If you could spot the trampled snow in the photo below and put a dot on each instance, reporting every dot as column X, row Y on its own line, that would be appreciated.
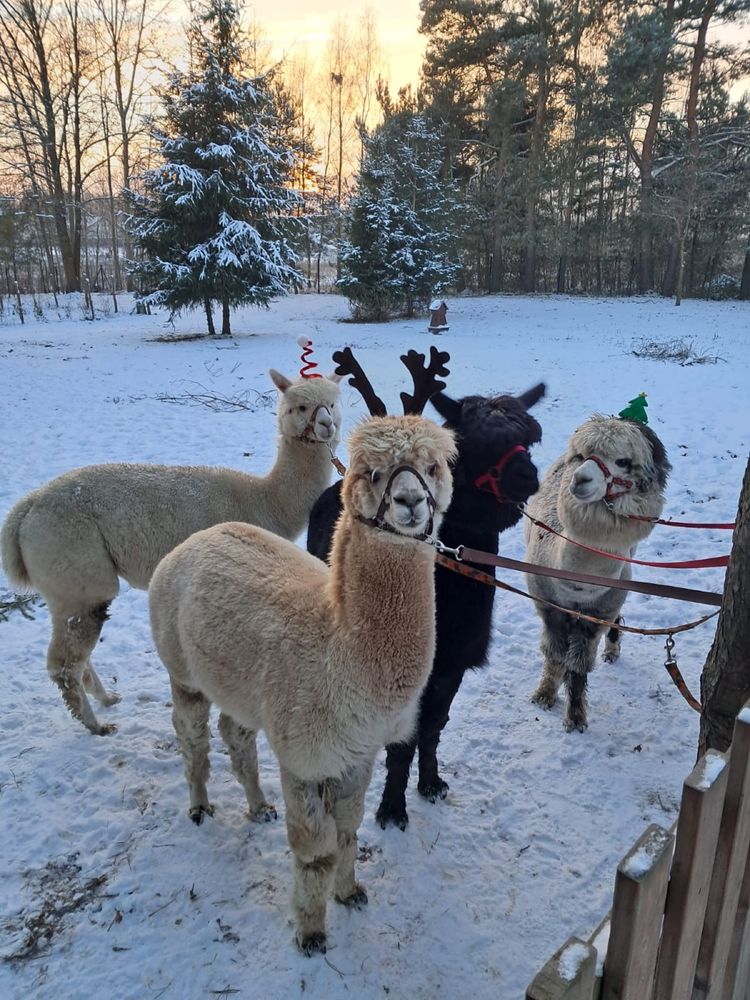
column 108, row 890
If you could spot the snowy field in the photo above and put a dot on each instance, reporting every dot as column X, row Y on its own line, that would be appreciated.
column 107, row 890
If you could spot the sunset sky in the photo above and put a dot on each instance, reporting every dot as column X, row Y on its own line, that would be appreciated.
column 289, row 24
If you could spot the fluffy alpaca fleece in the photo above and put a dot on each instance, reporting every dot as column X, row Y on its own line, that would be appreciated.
column 73, row 538
column 487, row 429
column 573, row 499
column 330, row 663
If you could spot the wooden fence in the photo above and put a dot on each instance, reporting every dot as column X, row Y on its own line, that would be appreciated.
column 678, row 928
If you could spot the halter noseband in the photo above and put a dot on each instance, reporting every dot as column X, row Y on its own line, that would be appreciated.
column 627, row 484
column 307, row 433
column 490, row 480
column 378, row 520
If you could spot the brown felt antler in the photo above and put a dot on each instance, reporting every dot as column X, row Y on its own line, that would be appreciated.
column 425, row 382
column 347, row 364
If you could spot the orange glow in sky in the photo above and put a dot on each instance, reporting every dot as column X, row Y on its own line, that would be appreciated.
column 289, row 25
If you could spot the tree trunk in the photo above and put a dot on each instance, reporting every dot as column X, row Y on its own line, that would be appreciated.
column 226, row 330
column 209, row 317
column 745, row 282
column 725, row 682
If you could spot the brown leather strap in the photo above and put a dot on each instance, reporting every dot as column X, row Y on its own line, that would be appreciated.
column 656, row 589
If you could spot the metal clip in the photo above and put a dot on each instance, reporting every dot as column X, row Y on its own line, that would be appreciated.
column 669, row 645
column 444, row 550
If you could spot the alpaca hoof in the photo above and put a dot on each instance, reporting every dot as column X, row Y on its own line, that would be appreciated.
column 105, row 729
column 389, row 816
column 433, row 790
column 311, row 944
column 111, row 698
column 264, row 814
column 356, row 899
column 573, row 725
column 610, row 655
column 196, row 813
column 546, row 699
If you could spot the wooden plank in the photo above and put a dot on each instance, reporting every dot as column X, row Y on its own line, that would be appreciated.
column 600, row 940
column 695, row 849
column 738, row 964
column 637, row 911
column 568, row 975
column 711, row 981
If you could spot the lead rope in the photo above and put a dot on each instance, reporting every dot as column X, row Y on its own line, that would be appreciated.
column 441, row 557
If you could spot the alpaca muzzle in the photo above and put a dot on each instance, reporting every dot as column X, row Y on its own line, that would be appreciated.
column 321, row 427
column 593, row 481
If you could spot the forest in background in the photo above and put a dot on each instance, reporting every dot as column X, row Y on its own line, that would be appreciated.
column 593, row 146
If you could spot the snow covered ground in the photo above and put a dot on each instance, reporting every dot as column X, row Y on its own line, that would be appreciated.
column 107, row 889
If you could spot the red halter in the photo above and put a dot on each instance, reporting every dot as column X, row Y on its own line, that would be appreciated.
column 490, row 480
column 611, row 480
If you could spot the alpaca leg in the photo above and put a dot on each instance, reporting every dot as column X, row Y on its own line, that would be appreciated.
column 392, row 808
column 554, row 647
column 94, row 686
column 73, row 638
column 244, row 756
column 311, row 831
column 612, row 641
column 584, row 638
column 348, row 810
column 190, row 717
column 433, row 718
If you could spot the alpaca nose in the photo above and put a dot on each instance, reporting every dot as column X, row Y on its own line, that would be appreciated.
column 325, row 423
column 581, row 478
column 410, row 500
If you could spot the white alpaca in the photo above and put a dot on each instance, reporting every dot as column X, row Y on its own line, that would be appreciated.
column 72, row 538
column 612, row 468
column 329, row 662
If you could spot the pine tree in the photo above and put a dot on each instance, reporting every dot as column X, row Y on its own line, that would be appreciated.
column 404, row 227
column 215, row 218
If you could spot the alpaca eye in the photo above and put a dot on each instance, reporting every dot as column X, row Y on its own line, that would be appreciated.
column 578, row 458
column 432, row 469
column 303, row 409
column 624, row 463
column 374, row 476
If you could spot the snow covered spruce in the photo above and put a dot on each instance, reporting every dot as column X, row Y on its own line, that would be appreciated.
column 613, row 467
column 329, row 662
column 72, row 538
column 492, row 474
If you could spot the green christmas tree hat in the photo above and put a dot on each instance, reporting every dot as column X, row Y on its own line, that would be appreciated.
column 636, row 409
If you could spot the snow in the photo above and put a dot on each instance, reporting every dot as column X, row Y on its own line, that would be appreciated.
column 637, row 864
column 482, row 888
column 571, row 960
column 713, row 763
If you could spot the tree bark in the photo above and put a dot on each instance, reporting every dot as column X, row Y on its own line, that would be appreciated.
column 226, row 330
column 725, row 682
column 209, row 317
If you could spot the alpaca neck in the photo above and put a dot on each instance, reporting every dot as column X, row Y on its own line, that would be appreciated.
column 383, row 594
column 300, row 474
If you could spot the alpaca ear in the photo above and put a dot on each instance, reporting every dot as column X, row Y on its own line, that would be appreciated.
column 281, row 382
column 334, row 377
column 448, row 408
column 532, row 396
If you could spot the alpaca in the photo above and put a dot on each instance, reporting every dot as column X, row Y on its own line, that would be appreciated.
column 584, row 496
column 329, row 662
column 491, row 476
column 72, row 538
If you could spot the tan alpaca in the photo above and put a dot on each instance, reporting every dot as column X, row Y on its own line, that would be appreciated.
column 74, row 537
column 329, row 662
column 612, row 467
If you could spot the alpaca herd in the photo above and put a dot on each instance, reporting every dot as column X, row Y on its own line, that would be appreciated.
column 360, row 643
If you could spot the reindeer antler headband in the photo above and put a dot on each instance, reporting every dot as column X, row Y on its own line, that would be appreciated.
column 426, row 383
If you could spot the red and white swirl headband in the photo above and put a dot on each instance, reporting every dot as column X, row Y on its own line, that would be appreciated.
column 306, row 371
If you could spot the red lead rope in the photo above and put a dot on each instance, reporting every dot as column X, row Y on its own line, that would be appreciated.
column 687, row 564
column 681, row 524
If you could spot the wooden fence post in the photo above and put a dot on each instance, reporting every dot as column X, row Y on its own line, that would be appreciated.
column 637, row 910
column 695, row 849
column 568, row 975
column 712, row 971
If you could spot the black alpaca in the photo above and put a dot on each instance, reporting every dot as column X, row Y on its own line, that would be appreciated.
column 492, row 475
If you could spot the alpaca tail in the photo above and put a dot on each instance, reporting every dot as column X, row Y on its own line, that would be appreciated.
column 10, row 546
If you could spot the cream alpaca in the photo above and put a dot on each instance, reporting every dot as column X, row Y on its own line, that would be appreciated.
column 329, row 662
column 74, row 537
column 579, row 500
